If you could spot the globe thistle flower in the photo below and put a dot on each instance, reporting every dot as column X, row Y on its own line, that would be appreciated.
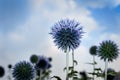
column 93, row 50
column 67, row 34
column 23, row 71
column 2, row 71
column 108, row 50
column 34, row 58
column 43, row 63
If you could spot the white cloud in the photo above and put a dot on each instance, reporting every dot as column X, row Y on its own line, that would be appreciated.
column 116, row 38
column 66, row 11
column 110, row 36
column 17, row 38
column 117, row 2
column 98, row 3
column 72, row 4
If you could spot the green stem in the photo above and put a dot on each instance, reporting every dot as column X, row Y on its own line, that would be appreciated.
column 67, row 65
column 73, row 58
column 106, row 65
column 93, row 67
column 40, row 76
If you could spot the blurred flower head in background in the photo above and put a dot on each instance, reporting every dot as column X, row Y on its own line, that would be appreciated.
column 93, row 50
column 2, row 71
column 23, row 71
column 43, row 63
column 34, row 58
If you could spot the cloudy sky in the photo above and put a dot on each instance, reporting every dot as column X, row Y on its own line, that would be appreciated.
column 25, row 26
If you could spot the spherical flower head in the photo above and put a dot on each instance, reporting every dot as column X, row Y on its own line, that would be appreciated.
column 34, row 58
column 43, row 63
column 23, row 71
column 50, row 59
column 93, row 50
column 2, row 71
column 9, row 66
column 67, row 34
column 108, row 50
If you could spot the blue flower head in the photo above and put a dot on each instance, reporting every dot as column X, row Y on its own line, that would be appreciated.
column 43, row 63
column 2, row 71
column 23, row 71
column 67, row 34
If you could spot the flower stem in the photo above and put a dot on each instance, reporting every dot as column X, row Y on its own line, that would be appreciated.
column 93, row 67
column 106, row 65
column 73, row 58
column 40, row 76
column 67, row 65
column 9, row 76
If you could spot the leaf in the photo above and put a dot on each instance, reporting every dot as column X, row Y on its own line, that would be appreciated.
column 95, row 62
column 98, row 69
column 70, row 68
column 72, row 73
column 75, row 78
column 93, row 73
column 97, row 74
column 75, row 71
column 64, row 69
column 75, row 62
column 57, row 77
column 112, row 73
column 90, row 63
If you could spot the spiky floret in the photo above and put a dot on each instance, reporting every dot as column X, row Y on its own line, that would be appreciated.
column 67, row 34
column 93, row 50
column 23, row 71
column 108, row 50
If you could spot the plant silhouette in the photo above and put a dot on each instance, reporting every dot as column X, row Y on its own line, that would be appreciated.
column 93, row 52
column 108, row 51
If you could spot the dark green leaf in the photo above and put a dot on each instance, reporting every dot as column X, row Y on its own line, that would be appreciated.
column 57, row 77
column 75, row 62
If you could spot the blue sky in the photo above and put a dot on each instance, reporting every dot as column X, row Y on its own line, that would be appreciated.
column 108, row 17
column 12, row 13
column 25, row 26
